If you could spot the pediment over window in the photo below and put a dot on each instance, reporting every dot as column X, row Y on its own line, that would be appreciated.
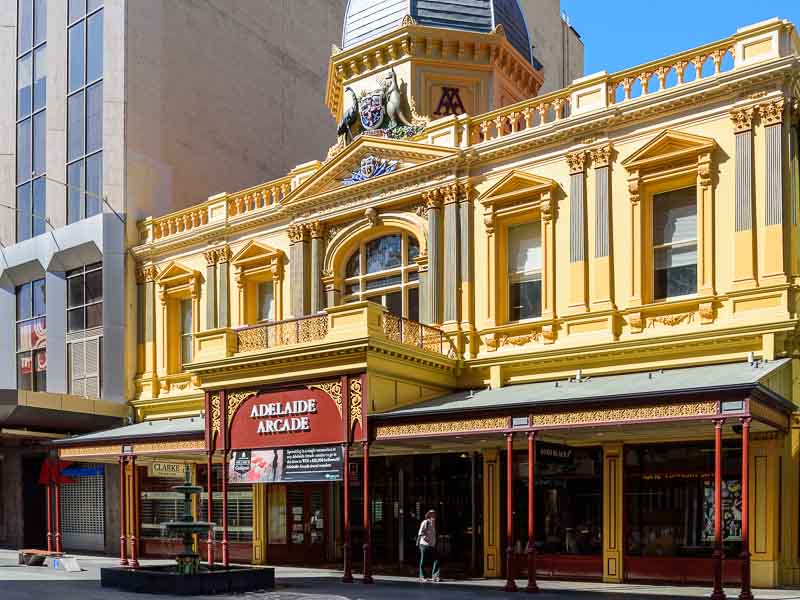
column 669, row 146
column 517, row 185
column 386, row 155
column 256, row 256
column 175, row 274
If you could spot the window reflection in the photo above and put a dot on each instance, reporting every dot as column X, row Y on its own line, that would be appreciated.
column 384, row 253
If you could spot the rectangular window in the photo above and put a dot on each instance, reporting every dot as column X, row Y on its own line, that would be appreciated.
column 31, row 336
column 186, row 331
column 31, row 117
column 266, row 301
column 674, row 244
column 85, row 297
column 525, row 271
column 84, row 109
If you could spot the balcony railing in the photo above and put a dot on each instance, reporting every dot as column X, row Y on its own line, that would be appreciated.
column 282, row 333
column 413, row 333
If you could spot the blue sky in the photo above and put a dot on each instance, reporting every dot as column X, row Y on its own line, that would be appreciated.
column 618, row 34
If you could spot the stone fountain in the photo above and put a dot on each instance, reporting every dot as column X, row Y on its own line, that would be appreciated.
column 186, row 527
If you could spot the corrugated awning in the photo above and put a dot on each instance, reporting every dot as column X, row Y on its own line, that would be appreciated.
column 728, row 377
column 184, row 427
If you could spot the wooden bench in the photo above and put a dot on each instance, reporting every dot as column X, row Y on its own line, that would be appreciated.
column 36, row 558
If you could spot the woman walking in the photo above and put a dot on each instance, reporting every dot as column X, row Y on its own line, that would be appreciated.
column 426, row 542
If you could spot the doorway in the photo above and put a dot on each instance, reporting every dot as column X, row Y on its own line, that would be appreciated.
column 34, row 504
column 300, row 511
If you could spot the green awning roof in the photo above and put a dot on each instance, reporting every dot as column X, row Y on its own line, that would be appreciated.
column 184, row 427
column 732, row 377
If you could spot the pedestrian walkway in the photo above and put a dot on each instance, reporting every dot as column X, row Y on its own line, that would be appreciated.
column 39, row 583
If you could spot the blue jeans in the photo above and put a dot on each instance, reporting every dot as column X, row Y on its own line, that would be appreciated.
column 428, row 554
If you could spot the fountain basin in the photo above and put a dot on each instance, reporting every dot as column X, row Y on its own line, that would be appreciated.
column 165, row 579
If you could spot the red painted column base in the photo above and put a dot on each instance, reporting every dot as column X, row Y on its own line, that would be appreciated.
column 532, row 587
column 348, row 563
column 511, row 585
column 367, row 565
column 717, row 593
column 746, row 593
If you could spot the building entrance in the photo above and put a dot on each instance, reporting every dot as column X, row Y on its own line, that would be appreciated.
column 298, row 523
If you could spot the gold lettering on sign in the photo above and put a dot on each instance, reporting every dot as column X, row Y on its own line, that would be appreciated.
column 449, row 103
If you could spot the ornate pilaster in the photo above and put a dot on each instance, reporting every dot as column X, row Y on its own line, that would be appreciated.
column 317, row 231
column 744, row 252
column 466, row 239
column 211, row 289
column 705, row 225
column 577, row 231
column 602, row 267
column 772, row 117
column 146, row 288
column 433, row 200
column 635, row 279
column 223, row 287
column 452, row 252
column 299, row 267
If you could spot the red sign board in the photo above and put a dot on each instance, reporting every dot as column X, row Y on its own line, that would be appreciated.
column 300, row 417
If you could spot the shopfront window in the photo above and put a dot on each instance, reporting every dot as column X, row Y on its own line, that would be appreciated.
column 669, row 500
column 569, row 500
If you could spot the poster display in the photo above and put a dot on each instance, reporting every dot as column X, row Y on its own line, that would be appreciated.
column 286, row 465
column 731, row 510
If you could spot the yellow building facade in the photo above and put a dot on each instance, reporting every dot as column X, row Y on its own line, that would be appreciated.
column 629, row 242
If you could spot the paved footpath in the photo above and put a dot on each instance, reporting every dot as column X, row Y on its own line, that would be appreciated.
column 40, row 583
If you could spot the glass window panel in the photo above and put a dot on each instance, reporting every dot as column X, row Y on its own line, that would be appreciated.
column 394, row 303
column 93, row 5
column 351, row 288
column 24, row 156
column 77, row 8
column 24, row 221
column 352, row 269
column 93, row 266
column 94, row 315
column 39, row 298
column 24, row 302
column 94, row 47
column 74, row 195
column 76, row 57
column 186, row 348
column 94, row 286
column 75, row 319
column 413, row 248
column 24, row 371
column 186, row 316
column 39, row 143
column 31, row 334
column 675, row 272
column 75, row 291
column 94, row 184
column 413, row 276
column 38, row 224
column 24, row 85
column 525, row 300
column 374, row 284
column 674, row 216
column 413, row 304
column 384, row 253
column 94, row 117
column 40, row 370
column 24, row 25
column 39, row 78
column 75, row 126
column 266, row 300
column 525, row 248
column 39, row 21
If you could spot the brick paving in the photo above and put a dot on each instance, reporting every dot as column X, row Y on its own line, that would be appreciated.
column 41, row 583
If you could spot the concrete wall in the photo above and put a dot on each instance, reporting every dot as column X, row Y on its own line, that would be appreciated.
column 555, row 44
column 8, row 92
column 223, row 95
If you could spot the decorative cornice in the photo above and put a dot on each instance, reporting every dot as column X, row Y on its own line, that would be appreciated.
column 577, row 162
column 771, row 113
column 743, row 119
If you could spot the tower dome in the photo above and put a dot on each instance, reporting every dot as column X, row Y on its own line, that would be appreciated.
column 367, row 19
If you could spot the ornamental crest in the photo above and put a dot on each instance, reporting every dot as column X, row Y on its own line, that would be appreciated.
column 371, row 108
column 371, row 166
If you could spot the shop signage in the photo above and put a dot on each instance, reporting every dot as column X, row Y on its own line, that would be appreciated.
column 286, row 465
column 554, row 453
column 168, row 470
column 83, row 471
column 287, row 419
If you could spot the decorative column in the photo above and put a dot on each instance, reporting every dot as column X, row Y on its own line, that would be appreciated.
column 532, row 587
column 367, row 521
column 602, row 292
column 225, row 552
column 134, row 511
column 745, row 593
column 774, row 235
column 577, row 232
column 612, row 513
column 705, row 225
column 491, row 513
column 211, row 289
column 718, row 593
column 123, row 517
column 492, row 278
column 58, row 506
column 434, row 203
column 452, row 251
column 635, row 236
column 317, row 231
column 346, row 548
column 467, row 250
column 547, row 212
column 210, row 507
column 511, row 585
column 223, row 287
column 744, row 251
column 48, row 490
column 299, row 267
column 146, row 281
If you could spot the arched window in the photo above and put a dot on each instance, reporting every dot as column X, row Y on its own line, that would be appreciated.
column 383, row 270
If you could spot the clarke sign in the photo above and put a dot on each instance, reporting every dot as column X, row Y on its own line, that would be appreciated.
column 284, row 416
column 306, row 416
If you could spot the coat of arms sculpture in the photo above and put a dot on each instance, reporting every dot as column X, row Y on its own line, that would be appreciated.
column 371, row 166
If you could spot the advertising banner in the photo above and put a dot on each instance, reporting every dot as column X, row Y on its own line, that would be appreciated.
column 286, row 465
